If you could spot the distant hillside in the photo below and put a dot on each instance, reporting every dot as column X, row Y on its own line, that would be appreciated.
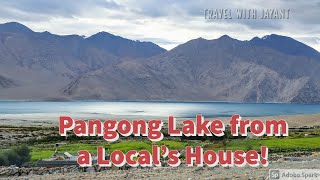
column 122, row 47
column 224, row 69
column 286, row 45
column 45, row 66
column 43, row 63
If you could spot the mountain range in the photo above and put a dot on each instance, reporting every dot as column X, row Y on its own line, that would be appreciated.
column 45, row 66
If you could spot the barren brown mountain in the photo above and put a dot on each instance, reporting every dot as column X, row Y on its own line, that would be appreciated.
column 43, row 66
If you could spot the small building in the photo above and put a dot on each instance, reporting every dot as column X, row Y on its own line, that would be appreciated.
column 60, row 160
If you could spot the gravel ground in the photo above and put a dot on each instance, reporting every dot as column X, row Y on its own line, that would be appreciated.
column 187, row 172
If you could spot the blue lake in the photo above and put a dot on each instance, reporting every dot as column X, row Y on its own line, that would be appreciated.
column 85, row 109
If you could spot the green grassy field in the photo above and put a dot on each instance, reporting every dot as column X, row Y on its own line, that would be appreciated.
column 44, row 151
column 274, row 143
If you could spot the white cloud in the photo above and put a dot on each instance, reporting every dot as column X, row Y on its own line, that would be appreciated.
column 167, row 22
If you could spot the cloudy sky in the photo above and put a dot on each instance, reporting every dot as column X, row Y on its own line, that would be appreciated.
column 164, row 22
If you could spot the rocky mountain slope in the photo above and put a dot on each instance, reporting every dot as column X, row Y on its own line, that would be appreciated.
column 224, row 69
column 107, row 67
column 41, row 63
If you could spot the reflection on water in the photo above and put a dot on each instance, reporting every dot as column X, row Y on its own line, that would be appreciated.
column 84, row 109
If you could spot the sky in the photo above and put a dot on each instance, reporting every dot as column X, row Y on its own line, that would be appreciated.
column 167, row 23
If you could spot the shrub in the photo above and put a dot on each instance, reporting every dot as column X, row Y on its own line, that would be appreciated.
column 24, row 153
column 16, row 156
column 3, row 160
column 13, row 158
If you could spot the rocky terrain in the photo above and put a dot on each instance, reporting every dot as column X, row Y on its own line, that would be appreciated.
column 45, row 66
column 305, row 161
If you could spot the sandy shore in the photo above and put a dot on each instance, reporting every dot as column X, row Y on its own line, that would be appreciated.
column 309, row 120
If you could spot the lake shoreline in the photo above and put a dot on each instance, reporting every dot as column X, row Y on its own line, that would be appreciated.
column 299, row 120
